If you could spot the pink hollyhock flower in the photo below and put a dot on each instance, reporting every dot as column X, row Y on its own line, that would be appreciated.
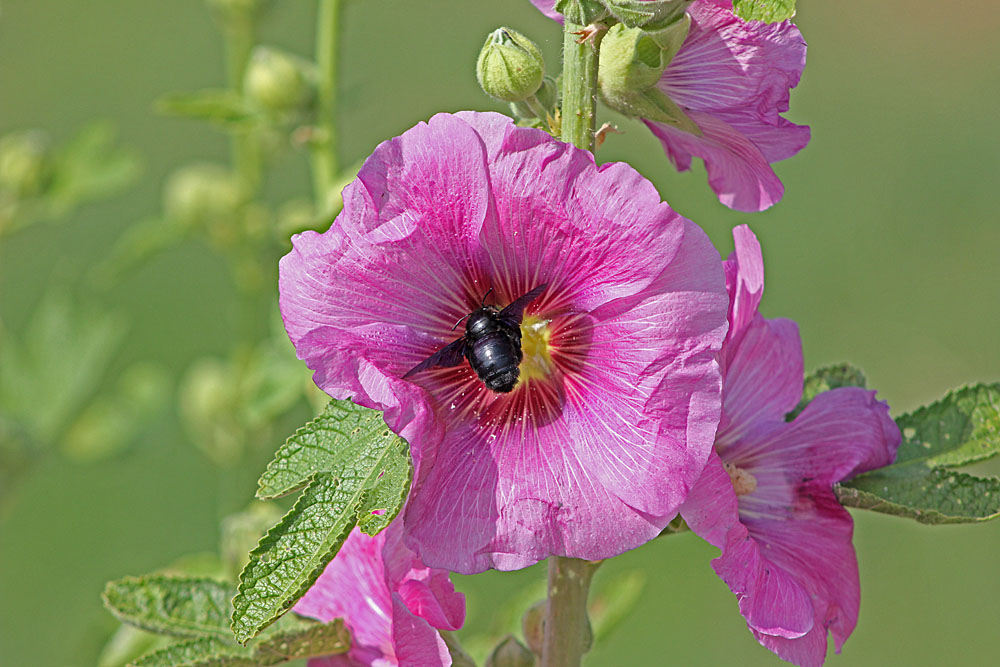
column 765, row 497
column 614, row 415
column 389, row 600
column 732, row 78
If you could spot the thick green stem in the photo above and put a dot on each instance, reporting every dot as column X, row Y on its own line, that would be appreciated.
column 239, row 38
column 567, row 628
column 579, row 86
column 324, row 145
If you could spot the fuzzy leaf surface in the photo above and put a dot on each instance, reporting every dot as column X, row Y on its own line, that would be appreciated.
column 171, row 605
column 337, row 437
column 961, row 428
column 366, row 490
column 294, row 638
column 929, row 495
column 770, row 11
column 203, row 652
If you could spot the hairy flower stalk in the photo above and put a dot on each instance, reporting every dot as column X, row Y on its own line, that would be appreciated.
column 616, row 406
column 765, row 497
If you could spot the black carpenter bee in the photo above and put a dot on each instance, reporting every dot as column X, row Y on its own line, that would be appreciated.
column 492, row 344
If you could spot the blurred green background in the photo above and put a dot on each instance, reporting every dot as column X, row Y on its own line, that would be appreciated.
column 885, row 249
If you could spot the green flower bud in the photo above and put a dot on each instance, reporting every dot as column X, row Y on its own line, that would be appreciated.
column 510, row 653
column 510, row 66
column 650, row 15
column 581, row 12
column 200, row 195
column 279, row 82
column 25, row 162
column 632, row 62
column 533, row 625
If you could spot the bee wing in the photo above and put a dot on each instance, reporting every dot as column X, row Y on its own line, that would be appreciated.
column 449, row 355
column 514, row 313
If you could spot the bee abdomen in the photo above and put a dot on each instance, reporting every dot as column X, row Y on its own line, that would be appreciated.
column 495, row 358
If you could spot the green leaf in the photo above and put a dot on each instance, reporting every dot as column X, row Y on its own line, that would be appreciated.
column 91, row 167
column 929, row 495
column 362, row 481
column 223, row 107
column 303, row 639
column 204, row 652
column 56, row 368
column 297, row 638
column 825, row 379
column 961, row 428
column 770, row 11
column 179, row 606
column 338, row 436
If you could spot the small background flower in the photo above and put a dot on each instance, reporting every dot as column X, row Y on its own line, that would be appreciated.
column 391, row 602
column 766, row 497
column 732, row 78
column 596, row 448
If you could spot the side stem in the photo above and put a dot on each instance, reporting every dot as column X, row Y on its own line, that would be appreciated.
column 579, row 86
column 324, row 146
column 239, row 38
column 567, row 628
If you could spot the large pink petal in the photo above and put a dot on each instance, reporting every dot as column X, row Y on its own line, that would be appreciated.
column 814, row 546
column 728, row 63
column 841, row 433
column 744, row 282
column 353, row 587
column 763, row 378
column 417, row 643
column 770, row 598
column 737, row 170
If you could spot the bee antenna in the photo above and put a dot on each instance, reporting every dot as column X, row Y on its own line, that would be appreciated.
column 460, row 321
column 488, row 292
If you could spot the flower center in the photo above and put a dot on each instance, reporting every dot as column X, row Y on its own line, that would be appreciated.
column 535, row 345
column 743, row 482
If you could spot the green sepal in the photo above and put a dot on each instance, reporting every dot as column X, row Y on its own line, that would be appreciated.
column 631, row 64
column 510, row 67
column 961, row 428
column 365, row 490
column 825, row 379
column 581, row 12
column 650, row 15
column 222, row 107
column 171, row 605
column 769, row 11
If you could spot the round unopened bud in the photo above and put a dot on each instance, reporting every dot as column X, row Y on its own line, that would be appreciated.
column 510, row 66
column 279, row 82
column 199, row 195
column 25, row 162
column 533, row 625
column 510, row 653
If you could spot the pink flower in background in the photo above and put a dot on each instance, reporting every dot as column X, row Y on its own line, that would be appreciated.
column 389, row 600
column 766, row 496
column 732, row 78
column 614, row 416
